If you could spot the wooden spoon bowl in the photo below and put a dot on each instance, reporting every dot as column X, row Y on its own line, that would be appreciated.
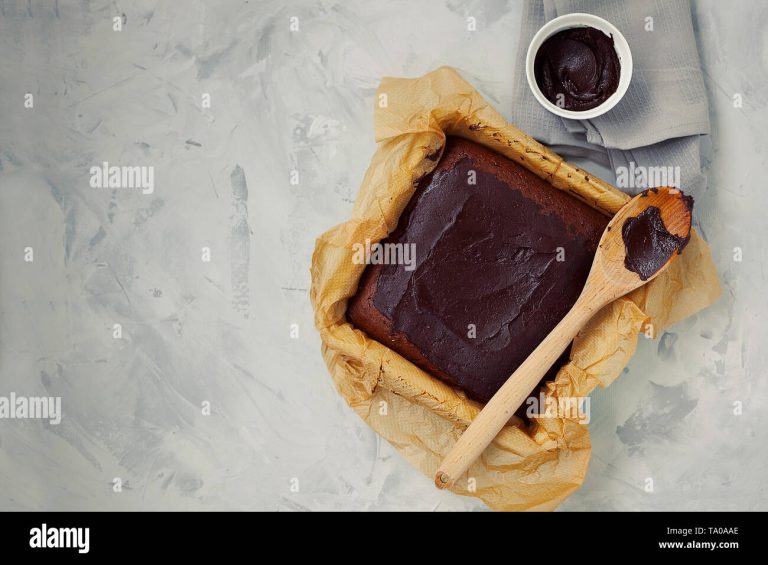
column 609, row 266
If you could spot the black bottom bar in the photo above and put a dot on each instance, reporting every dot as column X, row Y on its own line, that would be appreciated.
column 77, row 536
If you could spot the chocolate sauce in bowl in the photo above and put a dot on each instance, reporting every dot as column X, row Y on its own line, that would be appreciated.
column 577, row 69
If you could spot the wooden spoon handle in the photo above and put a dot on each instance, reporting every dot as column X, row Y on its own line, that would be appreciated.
column 492, row 418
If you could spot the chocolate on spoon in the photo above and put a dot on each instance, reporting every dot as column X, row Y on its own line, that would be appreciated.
column 648, row 243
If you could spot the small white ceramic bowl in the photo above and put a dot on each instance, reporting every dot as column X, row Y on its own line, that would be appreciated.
column 569, row 21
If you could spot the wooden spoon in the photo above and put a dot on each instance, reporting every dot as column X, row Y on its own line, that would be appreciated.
column 645, row 235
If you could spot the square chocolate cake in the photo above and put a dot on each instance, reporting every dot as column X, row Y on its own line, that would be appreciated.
column 500, row 258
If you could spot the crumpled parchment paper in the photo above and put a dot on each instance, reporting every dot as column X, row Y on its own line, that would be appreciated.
column 525, row 468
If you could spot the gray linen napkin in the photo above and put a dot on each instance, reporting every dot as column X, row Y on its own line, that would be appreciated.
column 659, row 121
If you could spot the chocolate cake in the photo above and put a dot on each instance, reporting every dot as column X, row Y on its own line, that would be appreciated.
column 500, row 257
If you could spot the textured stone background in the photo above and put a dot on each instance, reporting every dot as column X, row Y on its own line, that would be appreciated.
column 221, row 331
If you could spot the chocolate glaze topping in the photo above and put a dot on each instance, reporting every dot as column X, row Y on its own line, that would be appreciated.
column 647, row 242
column 486, row 256
column 580, row 64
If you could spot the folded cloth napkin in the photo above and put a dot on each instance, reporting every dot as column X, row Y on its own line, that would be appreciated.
column 661, row 118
